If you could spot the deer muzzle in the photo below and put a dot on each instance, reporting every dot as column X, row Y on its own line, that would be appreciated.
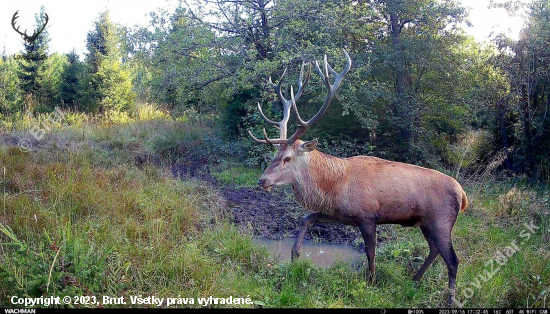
column 266, row 183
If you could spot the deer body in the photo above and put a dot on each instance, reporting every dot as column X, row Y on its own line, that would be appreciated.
column 361, row 191
column 362, row 187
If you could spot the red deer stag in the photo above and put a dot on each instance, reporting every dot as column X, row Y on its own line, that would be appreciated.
column 361, row 191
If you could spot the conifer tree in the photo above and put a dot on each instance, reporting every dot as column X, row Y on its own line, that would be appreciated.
column 71, row 78
column 108, row 85
column 33, row 59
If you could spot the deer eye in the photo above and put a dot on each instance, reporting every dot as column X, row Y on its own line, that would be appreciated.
column 287, row 159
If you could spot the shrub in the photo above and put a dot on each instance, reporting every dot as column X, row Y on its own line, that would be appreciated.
column 513, row 203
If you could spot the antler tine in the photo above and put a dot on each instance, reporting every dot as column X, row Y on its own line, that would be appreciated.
column 295, row 109
column 301, row 82
column 265, row 136
column 331, row 70
column 273, row 142
column 323, row 75
column 277, row 87
column 278, row 141
column 332, row 89
column 276, row 124
column 256, row 139
column 330, row 94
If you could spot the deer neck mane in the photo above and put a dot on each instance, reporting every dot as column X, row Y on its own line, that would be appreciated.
column 320, row 182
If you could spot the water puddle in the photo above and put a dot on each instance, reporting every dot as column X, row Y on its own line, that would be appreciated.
column 322, row 254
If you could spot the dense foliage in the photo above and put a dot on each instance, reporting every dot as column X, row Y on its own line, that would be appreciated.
column 420, row 90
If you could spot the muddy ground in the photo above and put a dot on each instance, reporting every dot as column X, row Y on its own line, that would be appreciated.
column 273, row 214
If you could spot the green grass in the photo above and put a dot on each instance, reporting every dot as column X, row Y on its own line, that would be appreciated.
column 236, row 175
column 94, row 211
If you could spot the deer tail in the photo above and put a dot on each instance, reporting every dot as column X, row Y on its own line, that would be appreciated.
column 464, row 202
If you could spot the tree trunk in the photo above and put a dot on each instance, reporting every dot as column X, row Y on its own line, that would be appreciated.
column 501, row 109
column 527, row 132
column 401, row 105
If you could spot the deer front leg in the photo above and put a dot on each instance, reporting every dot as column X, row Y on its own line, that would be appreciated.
column 308, row 220
column 368, row 231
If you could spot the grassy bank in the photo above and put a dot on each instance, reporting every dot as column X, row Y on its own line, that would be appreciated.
column 93, row 209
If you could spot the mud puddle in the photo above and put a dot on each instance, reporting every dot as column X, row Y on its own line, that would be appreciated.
column 322, row 254
column 273, row 215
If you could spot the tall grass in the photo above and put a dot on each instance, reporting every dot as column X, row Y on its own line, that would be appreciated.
column 94, row 210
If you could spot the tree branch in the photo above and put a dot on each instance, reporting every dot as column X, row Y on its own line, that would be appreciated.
column 403, row 24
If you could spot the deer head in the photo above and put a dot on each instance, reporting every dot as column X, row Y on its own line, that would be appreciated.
column 292, row 154
column 27, row 38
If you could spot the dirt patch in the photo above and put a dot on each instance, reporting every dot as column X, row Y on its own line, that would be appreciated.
column 274, row 214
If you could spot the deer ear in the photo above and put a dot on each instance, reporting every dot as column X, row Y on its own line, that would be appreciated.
column 308, row 146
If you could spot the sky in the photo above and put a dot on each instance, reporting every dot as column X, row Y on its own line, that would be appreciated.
column 486, row 18
column 71, row 20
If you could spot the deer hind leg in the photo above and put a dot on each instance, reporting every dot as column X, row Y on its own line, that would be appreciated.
column 431, row 256
column 368, row 231
column 444, row 243
column 308, row 220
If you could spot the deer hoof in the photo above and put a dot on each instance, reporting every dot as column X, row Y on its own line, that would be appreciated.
column 451, row 302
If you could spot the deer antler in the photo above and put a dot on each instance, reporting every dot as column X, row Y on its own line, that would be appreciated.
column 291, row 104
column 287, row 105
column 24, row 35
